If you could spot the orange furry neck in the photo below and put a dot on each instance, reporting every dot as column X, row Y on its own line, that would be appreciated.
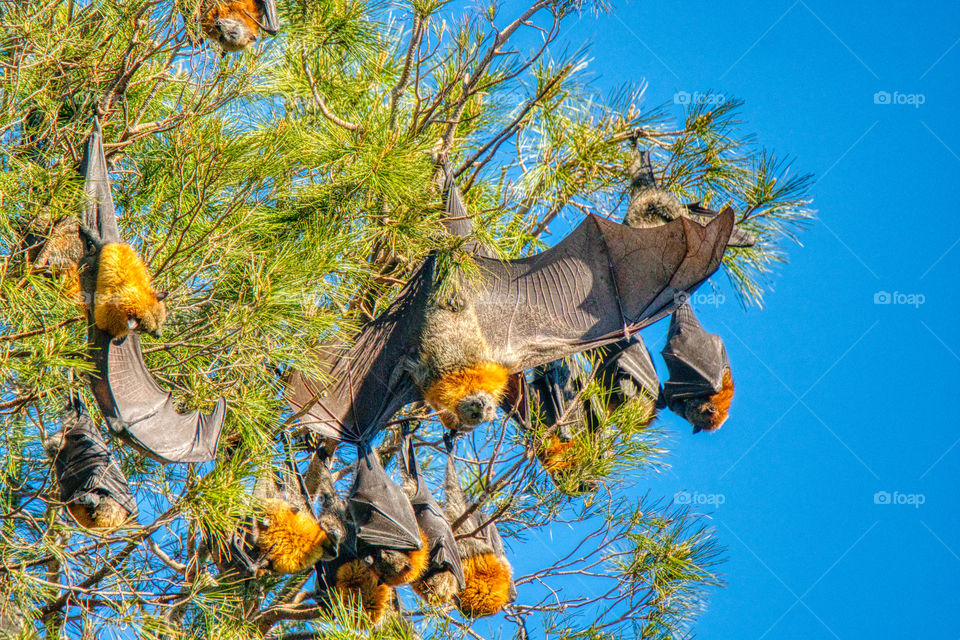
column 124, row 289
column 243, row 10
column 445, row 393
column 721, row 401
column 356, row 581
column 487, row 588
column 292, row 540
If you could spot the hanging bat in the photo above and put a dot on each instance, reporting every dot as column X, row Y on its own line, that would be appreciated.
column 91, row 483
column 53, row 246
column 488, row 583
column 455, row 342
column 700, row 386
column 134, row 406
column 650, row 206
column 443, row 577
column 347, row 576
column 236, row 24
column 386, row 529
column 289, row 535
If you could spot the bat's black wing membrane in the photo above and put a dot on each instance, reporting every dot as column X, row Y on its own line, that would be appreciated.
column 626, row 365
column 430, row 518
column 382, row 515
column 369, row 385
column 603, row 280
column 739, row 237
column 458, row 222
column 133, row 404
column 554, row 391
column 695, row 359
column 86, row 470
column 270, row 22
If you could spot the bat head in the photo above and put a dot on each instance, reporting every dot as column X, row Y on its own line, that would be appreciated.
column 153, row 316
column 710, row 414
column 437, row 587
column 473, row 393
column 477, row 408
column 231, row 25
column 396, row 568
column 336, row 533
column 652, row 207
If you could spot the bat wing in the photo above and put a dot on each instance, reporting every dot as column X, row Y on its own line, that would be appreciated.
column 270, row 21
column 87, row 472
column 554, row 390
column 458, row 222
column 695, row 359
column 143, row 414
column 99, row 213
column 629, row 360
column 739, row 237
column 443, row 544
column 368, row 384
column 382, row 515
column 602, row 280
column 133, row 404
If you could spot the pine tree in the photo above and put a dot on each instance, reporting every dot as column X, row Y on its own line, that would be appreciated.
column 282, row 196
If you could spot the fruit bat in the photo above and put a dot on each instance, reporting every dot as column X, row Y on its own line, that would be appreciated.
column 487, row 573
column 385, row 525
column 651, row 206
column 235, row 24
column 443, row 577
column 53, row 246
column 132, row 403
column 91, row 483
column 700, row 386
column 454, row 342
column 289, row 535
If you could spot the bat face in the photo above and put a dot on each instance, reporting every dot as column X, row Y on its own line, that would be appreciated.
column 235, row 24
column 477, row 408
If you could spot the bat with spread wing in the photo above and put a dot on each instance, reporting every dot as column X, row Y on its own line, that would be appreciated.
column 488, row 580
column 236, row 24
column 443, row 577
column 132, row 403
column 91, row 482
column 700, row 386
column 455, row 342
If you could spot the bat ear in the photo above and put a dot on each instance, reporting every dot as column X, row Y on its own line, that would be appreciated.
column 161, row 295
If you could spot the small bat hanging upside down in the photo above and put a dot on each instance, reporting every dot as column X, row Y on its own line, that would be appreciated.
column 700, row 387
column 90, row 479
column 236, row 24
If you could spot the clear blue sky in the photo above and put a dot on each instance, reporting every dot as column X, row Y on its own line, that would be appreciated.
column 838, row 398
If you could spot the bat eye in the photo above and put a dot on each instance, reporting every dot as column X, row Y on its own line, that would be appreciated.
column 161, row 295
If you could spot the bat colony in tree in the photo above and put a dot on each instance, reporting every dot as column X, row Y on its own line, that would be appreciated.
column 460, row 343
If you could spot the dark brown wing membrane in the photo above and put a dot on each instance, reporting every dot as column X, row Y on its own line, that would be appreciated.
column 368, row 386
column 458, row 222
column 695, row 359
column 383, row 516
column 602, row 280
column 87, row 472
column 132, row 403
column 626, row 367
column 270, row 22
column 554, row 391
column 443, row 546
column 143, row 414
